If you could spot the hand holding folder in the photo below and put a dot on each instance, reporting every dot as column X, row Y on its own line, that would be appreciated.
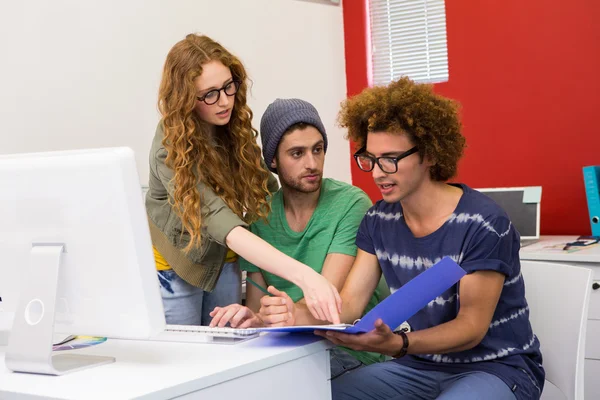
column 399, row 306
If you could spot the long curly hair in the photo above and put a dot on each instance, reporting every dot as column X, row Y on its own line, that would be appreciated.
column 430, row 120
column 228, row 162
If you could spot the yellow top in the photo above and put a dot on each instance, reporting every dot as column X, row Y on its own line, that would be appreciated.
column 231, row 256
column 163, row 265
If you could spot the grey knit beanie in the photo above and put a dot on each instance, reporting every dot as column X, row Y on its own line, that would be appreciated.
column 279, row 116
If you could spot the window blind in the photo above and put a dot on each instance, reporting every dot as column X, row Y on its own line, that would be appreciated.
column 408, row 38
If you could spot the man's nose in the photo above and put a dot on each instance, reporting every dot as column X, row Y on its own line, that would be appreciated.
column 311, row 161
column 377, row 172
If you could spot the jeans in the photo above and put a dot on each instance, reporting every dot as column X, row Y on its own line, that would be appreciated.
column 394, row 381
column 185, row 304
column 341, row 362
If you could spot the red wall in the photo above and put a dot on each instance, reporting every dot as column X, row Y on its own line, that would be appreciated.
column 527, row 74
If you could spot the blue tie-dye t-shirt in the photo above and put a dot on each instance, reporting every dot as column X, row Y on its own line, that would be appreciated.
column 478, row 236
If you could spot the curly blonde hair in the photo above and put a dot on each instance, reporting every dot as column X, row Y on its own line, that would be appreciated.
column 430, row 120
column 229, row 162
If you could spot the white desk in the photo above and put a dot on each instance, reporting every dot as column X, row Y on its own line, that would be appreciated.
column 262, row 368
column 587, row 258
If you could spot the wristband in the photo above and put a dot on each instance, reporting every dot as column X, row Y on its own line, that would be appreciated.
column 404, row 348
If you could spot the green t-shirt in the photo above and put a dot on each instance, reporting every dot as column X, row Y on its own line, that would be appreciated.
column 331, row 229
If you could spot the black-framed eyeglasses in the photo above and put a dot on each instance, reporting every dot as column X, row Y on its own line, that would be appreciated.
column 389, row 165
column 212, row 96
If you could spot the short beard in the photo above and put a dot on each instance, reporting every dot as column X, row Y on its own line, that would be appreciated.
column 298, row 186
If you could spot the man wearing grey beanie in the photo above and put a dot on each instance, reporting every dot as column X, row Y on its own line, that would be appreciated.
column 313, row 220
column 279, row 117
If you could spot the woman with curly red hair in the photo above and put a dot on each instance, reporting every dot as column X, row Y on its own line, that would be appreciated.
column 207, row 184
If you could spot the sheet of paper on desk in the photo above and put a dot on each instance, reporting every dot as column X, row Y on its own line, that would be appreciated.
column 556, row 247
column 399, row 306
column 78, row 342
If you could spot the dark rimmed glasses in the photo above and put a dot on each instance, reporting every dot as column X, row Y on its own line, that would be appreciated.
column 389, row 165
column 212, row 96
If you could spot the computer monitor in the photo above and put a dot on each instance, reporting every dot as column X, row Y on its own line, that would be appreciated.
column 522, row 204
column 76, row 255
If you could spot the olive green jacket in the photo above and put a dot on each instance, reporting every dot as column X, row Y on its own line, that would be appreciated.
column 202, row 266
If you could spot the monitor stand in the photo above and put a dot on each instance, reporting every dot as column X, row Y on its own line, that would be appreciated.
column 6, row 321
column 30, row 342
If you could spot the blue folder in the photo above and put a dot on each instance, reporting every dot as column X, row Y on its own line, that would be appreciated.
column 400, row 305
column 591, row 178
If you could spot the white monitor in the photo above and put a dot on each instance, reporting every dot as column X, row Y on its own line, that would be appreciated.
column 76, row 255
column 522, row 204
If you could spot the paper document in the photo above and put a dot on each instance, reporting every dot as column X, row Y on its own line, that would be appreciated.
column 400, row 305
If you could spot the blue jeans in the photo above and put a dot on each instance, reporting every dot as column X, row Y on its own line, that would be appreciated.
column 185, row 304
column 342, row 362
column 393, row 381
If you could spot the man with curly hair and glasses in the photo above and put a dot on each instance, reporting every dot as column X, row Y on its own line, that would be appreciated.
column 474, row 341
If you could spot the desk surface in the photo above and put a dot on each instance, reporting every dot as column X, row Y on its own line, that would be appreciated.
column 146, row 369
column 549, row 249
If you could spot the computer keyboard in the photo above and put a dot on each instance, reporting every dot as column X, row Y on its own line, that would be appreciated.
column 205, row 334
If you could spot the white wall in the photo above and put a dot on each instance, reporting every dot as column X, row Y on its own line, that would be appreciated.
column 84, row 73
